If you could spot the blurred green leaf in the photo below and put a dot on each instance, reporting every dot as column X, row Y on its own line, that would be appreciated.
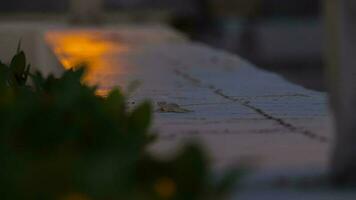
column 4, row 70
column 140, row 118
column 18, row 68
column 58, row 139
column 19, row 46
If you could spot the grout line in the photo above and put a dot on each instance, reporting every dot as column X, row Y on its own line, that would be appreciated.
column 292, row 128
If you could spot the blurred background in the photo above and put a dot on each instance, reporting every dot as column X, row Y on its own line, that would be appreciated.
column 277, row 35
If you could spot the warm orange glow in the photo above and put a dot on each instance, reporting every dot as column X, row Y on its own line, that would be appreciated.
column 91, row 48
column 75, row 196
column 165, row 188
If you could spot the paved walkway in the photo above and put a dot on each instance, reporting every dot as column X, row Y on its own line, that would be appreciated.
column 237, row 110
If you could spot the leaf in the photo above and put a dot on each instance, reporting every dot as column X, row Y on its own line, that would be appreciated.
column 115, row 101
column 38, row 81
column 19, row 46
column 18, row 63
column 3, row 66
column 194, row 156
column 4, row 70
column 73, row 75
column 19, row 70
column 27, row 73
column 140, row 118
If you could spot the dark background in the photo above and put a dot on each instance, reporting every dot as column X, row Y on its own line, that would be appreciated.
column 285, row 36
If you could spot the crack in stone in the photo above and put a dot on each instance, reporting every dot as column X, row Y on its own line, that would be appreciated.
column 292, row 128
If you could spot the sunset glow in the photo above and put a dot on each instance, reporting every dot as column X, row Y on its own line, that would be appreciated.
column 89, row 48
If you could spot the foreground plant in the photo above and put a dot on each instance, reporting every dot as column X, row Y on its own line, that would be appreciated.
column 58, row 140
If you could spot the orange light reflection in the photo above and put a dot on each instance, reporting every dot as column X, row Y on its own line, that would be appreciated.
column 74, row 48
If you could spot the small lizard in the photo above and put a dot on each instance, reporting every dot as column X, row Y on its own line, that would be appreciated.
column 165, row 107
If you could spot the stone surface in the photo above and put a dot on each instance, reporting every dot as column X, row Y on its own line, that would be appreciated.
column 238, row 111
